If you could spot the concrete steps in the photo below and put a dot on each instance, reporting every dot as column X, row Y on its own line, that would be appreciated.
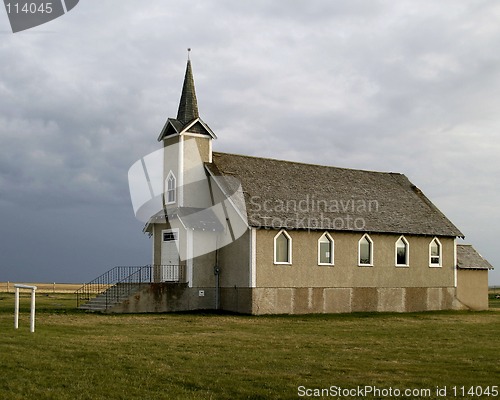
column 114, row 295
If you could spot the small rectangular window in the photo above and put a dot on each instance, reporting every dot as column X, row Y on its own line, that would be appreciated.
column 169, row 236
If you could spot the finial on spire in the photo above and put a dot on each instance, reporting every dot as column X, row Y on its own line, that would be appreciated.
column 189, row 51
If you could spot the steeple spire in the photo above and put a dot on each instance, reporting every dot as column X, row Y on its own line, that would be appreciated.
column 188, row 119
column 188, row 106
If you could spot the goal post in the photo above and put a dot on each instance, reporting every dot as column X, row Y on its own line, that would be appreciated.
column 16, row 306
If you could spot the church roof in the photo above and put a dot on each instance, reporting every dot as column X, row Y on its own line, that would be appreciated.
column 200, row 219
column 284, row 194
column 469, row 258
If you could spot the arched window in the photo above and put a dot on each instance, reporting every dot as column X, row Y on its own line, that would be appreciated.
column 325, row 249
column 365, row 251
column 435, row 253
column 171, row 188
column 282, row 248
column 402, row 252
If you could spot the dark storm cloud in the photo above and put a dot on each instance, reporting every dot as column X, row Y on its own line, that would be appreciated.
column 400, row 86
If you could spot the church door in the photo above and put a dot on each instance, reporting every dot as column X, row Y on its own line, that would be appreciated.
column 169, row 270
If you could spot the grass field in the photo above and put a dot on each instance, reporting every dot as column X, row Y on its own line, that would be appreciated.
column 75, row 355
column 494, row 298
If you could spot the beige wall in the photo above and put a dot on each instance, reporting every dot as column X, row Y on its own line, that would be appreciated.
column 204, row 148
column 472, row 288
column 305, row 271
column 234, row 261
column 203, row 265
column 203, row 275
column 157, row 240
column 195, row 185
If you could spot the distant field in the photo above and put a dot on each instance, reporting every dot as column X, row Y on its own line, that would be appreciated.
column 494, row 298
column 8, row 287
column 77, row 355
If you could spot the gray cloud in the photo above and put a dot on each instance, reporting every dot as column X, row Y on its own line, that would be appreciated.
column 409, row 86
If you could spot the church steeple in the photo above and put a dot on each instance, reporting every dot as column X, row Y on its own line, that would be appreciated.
column 188, row 120
column 188, row 106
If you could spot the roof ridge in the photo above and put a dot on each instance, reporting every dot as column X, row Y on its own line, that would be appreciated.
column 215, row 153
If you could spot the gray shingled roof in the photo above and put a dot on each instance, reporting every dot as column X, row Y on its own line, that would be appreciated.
column 200, row 219
column 469, row 258
column 303, row 196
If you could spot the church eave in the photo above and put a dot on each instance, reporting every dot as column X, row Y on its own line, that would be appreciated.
column 171, row 123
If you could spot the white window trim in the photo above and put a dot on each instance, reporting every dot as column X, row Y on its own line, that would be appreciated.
column 253, row 258
column 175, row 231
column 440, row 264
column 170, row 175
column 332, row 249
column 407, row 264
column 371, row 251
column 282, row 231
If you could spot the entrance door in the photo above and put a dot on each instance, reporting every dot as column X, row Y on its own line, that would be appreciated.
column 169, row 270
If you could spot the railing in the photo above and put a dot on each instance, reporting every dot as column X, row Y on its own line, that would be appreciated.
column 128, row 285
column 106, row 281
column 119, row 282
column 170, row 273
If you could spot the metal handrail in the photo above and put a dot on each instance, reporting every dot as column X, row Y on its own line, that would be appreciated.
column 120, row 281
column 125, row 286
column 103, row 282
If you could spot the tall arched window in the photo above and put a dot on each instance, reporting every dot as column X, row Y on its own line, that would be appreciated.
column 365, row 251
column 402, row 252
column 325, row 249
column 171, row 188
column 435, row 253
column 282, row 248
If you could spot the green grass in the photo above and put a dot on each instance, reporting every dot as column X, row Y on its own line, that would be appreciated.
column 494, row 302
column 75, row 355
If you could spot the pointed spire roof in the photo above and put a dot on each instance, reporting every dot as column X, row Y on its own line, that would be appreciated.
column 188, row 106
column 188, row 119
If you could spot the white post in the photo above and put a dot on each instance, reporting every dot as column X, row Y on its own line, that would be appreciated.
column 32, row 314
column 16, row 306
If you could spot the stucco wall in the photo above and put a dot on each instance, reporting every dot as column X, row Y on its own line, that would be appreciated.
column 305, row 271
column 157, row 239
column 203, row 144
column 234, row 262
column 472, row 288
column 195, row 188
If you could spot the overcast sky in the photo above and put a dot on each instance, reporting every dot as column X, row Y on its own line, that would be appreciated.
column 403, row 86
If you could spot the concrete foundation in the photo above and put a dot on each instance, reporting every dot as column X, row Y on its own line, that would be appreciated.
column 345, row 300
column 172, row 297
